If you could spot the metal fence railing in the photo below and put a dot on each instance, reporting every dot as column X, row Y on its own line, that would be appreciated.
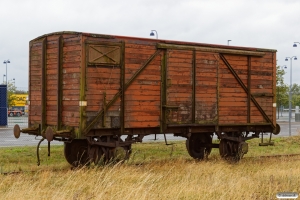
column 22, row 121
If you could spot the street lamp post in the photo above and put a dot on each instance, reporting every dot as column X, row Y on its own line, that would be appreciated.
column 228, row 42
column 152, row 33
column 14, row 81
column 3, row 78
column 295, row 44
column 6, row 62
column 290, row 93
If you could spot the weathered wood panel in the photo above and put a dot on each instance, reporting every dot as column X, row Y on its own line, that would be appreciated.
column 71, row 79
column 206, row 87
column 135, row 56
column 103, row 83
column 262, row 77
column 199, row 86
column 261, row 83
column 35, row 73
column 179, row 85
column 72, row 49
column 52, row 87
column 143, row 95
column 228, row 88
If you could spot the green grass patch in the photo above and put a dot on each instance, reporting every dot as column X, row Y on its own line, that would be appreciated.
column 14, row 159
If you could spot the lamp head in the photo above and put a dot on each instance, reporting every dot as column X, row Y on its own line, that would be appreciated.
column 151, row 34
column 295, row 45
column 286, row 59
column 295, row 58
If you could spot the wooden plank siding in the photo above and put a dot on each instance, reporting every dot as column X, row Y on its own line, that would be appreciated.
column 206, row 87
column 262, row 78
column 35, row 69
column 102, row 82
column 71, row 76
column 132, row 83
column 142, row 97
column 71, row 58
column 233, row 102
column 51, row 80
column 179, row 86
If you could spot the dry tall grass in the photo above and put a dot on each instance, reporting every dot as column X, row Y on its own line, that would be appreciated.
column 173, row 179
column 173, row 176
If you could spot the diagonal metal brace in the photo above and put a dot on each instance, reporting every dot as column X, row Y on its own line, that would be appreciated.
column 109, row 104
column 246, row 90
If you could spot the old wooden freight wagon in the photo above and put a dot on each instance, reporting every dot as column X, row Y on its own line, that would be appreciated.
column 88, row 90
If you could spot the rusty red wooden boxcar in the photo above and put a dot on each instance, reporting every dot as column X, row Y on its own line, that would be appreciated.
column 100, row 93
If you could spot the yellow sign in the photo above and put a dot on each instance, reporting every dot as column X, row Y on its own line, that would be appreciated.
column 20, row 99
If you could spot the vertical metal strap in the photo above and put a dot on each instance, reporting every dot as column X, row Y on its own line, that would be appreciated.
column 249, row 91
column 104, row 110
column 218, row 92
column 163, row 90
column 44, row 84
column 83, row 88
column 59, row 81
column 194, row 87
column 122, row 96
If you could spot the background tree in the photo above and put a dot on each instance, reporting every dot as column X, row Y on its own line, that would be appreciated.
column 295, row 95
column 282, row 89
column 11, row 98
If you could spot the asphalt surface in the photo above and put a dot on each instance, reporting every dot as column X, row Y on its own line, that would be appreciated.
column 7, row 138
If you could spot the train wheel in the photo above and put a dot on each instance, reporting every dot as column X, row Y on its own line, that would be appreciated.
column 96, row 154
column 231, row 150
column 118, row 154
column 197, row 145
column 224, row 149
column 105, row 154
column 76, row 152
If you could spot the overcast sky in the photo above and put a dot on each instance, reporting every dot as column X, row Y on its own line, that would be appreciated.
column 273, row 24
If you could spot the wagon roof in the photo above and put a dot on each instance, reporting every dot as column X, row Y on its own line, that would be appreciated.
column 158, row 40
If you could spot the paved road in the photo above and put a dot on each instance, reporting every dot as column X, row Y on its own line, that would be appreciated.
column 7, row 139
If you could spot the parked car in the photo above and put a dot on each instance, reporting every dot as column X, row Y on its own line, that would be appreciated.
column 21, row 108
column 14, row 113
